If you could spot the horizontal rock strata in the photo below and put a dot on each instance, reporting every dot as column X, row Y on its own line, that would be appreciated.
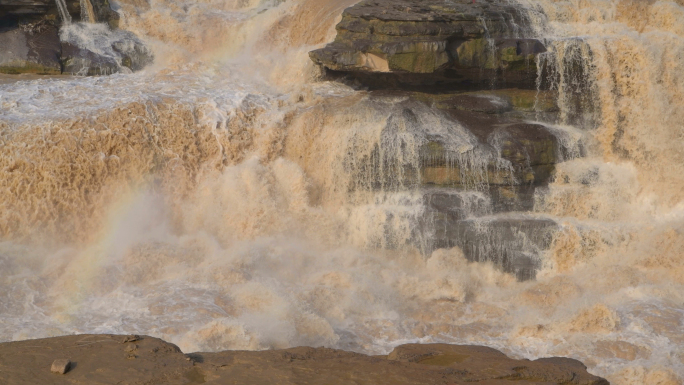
column 12, row 11
column 112, row 359
column 451, row 44
column 475, row 62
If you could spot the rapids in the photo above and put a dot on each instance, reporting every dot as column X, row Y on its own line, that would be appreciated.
column 221, row 198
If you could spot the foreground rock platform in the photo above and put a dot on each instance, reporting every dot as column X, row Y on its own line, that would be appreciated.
column 118, row 359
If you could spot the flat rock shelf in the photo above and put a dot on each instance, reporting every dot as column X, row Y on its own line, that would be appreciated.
column 119, row 359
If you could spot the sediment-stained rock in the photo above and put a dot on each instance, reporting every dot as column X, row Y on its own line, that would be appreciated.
column 35, row 10
column 107, row 359
column 120, row 51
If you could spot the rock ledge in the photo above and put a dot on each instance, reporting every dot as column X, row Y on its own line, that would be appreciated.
column 116, row 359
column 406, row 43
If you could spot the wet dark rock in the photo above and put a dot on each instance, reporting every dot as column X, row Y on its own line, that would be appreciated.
column 134, row 54
column 120, row 52
column 13, row 11
column 512, row 242
column 489, row 104
column 31, row 40
column 432, row 44
column 476, row 192
column 525, row 155
column 30, row 49
column 104, row 13
column 27, row 9
column 83, row 62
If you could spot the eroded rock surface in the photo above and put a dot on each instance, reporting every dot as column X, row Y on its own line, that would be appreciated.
column 476, row 63
column 107, row 359
column 479, row 175
column 30, row 49
column 460, row 43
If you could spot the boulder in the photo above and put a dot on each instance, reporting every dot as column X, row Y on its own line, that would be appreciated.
column 409, row 44
column 83, row 62
column 95, row 49
column 35, row 39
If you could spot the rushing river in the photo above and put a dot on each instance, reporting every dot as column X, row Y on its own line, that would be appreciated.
column 217, row 199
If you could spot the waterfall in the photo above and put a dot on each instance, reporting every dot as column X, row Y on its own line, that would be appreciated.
column 87, row 12
column 63, row 12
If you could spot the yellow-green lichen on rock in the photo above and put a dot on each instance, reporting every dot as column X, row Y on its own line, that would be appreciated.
column 417, row 62
column 27, row 67
column 526, row 100
column 476, row 53
column 447, row 40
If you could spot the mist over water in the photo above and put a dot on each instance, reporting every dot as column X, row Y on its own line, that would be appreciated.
column 227, row 198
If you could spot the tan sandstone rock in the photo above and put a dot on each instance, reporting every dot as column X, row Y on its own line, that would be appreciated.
column 60, row 366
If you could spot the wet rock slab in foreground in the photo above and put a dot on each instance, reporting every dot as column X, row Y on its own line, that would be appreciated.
column 113, row 359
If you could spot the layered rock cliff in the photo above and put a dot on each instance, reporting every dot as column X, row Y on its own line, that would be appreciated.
column 407, row 43
column 478, row 65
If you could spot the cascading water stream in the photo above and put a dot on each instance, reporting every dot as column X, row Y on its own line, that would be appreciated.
column 87, row 12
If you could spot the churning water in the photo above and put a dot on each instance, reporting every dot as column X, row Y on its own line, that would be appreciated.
column 226, row 199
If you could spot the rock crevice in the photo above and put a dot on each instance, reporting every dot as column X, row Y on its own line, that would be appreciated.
column 476, row 63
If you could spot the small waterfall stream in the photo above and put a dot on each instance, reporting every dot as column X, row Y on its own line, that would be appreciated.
column 63, row 12
column 87, row 12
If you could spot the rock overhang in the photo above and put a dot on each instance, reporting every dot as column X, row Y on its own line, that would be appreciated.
column 457, row 43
